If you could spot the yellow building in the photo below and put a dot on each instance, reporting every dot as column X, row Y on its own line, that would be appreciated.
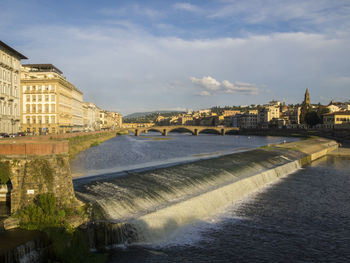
column 9, row 89
column 50, row 104
column 336, row 119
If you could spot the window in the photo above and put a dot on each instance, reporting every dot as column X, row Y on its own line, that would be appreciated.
column 39, row 108
column 47, row 108
column 28, row 120
column 53, row 119
column 28, row 98
column 28, row 108
column 52, row 97
column 47, row 119
column 53, row 107
column 34, row 98
column 34, row 119
column 39, row 97
column 39, row 119
column 46, row 97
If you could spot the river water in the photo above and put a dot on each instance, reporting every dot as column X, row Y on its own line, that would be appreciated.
column 303, row 217
column 125, row 153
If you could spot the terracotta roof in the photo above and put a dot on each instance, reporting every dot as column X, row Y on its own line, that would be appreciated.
column 12, row 50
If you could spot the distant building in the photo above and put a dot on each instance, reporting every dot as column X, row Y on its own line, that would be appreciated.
column 336, row 119
column 305, row 106
column 91, row 115
column 10, row 95
column 267, row 113
column 248, row 121
column 227, row 113
column 50, row 104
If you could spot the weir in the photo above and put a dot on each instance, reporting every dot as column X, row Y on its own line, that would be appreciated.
column 150, row 206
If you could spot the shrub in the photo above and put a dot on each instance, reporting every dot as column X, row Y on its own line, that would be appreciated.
column 5, row 172
column 94, row 144
column 42, row 214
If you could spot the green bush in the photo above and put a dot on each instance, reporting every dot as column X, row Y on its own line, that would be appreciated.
column 42, row 214
column 5, row 172
column 94, row 144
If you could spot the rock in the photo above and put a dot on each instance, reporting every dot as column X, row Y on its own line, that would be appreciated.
column 11, row 223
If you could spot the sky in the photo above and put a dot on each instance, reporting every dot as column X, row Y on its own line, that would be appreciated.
column 132, row 56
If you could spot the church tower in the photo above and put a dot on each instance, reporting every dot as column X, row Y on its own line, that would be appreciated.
column 305, row 106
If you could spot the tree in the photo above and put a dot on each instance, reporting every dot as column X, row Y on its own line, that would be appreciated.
column 312, row 118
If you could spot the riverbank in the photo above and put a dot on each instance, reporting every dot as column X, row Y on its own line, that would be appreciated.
column 82, row 142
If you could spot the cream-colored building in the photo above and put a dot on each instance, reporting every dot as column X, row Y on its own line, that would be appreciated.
column 268, row 113
column 50, row 104
column 110, row 120
column 91, row 116
column 10, row 67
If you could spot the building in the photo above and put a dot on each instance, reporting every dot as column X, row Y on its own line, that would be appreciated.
column 10, row 95
column 227, row 113
column 336, row 119
column 267, row 113
column 248, row 121
column 91, row 115
column 305, row 107
column 77, row 110
column 50, row 104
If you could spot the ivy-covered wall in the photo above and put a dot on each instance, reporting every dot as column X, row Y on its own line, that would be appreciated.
column 30, row 176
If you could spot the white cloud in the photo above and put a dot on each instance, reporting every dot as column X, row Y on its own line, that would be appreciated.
column 239, row 87
column 204, row 93
column 121, row 67
column 186, row 6
column 206, row 82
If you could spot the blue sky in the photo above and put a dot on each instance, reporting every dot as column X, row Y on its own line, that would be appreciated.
column 133, row 56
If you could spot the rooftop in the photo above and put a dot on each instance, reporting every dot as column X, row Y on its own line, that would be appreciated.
column 15, row 52
column 43, row 68
column 338, row 113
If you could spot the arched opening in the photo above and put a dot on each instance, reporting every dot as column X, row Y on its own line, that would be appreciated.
column 231, row 132
column 209, row 131
column 180, row 130
column 153, row 130
column 5, row 199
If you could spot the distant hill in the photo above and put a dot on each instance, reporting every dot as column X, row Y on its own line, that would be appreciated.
column 144, row 114
column 146, row 117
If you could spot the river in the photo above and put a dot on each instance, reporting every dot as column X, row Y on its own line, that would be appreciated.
column 300, row 218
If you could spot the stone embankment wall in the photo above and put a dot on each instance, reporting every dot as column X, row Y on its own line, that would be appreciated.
column 34, row 168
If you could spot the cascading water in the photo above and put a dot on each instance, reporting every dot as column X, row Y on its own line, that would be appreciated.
column 151, row 206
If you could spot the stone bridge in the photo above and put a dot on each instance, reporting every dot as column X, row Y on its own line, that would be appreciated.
column 195, row 130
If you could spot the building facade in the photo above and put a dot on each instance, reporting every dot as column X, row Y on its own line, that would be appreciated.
column 267, row 113
column 10, row 94
column 336, row 119
column 50, row 104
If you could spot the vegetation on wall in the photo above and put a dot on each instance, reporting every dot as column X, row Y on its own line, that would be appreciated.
column 68, row 244
column 41, row 171
column 5, row 172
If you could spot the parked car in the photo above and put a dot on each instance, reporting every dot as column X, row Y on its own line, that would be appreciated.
column 4, row 135
column 21, row 134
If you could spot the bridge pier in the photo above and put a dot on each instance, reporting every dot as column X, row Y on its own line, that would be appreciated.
column 222, row 132
column 196, row 132
column 165, row 132
column 137, row 132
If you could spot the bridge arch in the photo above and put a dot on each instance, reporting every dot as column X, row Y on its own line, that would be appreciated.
column 212, row 130
column 180, row 129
